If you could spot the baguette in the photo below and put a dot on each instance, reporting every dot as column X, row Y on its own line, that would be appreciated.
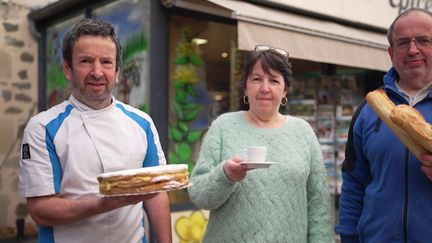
column 414, row 124
column 383, row 106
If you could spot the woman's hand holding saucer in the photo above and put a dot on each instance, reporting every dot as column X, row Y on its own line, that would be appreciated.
column 234, row 170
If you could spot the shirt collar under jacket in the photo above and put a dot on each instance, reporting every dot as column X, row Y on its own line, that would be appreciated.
column 390, row 84
column 412, row 100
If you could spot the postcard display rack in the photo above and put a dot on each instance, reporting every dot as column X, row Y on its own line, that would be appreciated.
column 327, row 103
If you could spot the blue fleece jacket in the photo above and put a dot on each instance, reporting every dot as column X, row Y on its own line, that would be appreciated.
column 385, row 196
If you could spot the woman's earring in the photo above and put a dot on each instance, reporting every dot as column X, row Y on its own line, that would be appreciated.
column 245, row 99
column 284, row 101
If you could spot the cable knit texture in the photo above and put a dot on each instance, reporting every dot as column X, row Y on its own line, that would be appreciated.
column 287, row 202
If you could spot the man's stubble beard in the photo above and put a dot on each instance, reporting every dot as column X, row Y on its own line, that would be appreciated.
column 90, row 99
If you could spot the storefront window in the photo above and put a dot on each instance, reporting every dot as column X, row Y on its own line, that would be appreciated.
column 201, row 54
column 326, row 96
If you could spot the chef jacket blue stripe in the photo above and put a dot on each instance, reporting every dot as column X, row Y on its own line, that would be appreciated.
column 151, row 158
column 51, row 130
column 45, row 234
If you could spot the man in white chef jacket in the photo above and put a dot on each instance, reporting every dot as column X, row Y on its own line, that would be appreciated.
column 65, row 148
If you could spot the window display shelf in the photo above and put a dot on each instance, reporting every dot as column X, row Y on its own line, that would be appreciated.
column 329, row 113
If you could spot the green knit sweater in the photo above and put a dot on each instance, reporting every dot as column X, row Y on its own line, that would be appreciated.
column 287, row 202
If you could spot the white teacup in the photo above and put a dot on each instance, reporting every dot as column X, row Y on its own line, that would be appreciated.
column 256, row 153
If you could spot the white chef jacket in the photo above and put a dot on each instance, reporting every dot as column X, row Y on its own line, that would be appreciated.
column 67, row 146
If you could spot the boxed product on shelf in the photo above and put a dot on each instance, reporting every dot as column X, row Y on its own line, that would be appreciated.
column 326, row 123
column 304, row 108
column 342, row 128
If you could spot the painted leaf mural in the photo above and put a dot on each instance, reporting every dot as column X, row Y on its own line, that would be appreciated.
column 186, row 109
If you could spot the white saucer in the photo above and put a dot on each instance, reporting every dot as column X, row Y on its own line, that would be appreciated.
column 258, row 165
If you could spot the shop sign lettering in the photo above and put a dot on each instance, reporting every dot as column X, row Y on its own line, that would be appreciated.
column 403, row 5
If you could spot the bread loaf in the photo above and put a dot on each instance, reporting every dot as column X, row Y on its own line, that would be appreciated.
column 383, row 106
column 144, row 180
column 414, row 124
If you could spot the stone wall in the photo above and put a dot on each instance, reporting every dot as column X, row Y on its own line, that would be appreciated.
column 18, row 101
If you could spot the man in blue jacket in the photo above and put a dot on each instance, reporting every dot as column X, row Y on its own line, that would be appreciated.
column 387, row 193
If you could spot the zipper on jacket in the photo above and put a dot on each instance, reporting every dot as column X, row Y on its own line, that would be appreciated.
column 405, row 209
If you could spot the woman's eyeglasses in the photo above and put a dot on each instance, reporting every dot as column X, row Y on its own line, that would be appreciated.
column 266, row 48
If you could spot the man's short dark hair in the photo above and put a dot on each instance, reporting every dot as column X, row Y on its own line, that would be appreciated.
column 93, row 27
column 405, row 13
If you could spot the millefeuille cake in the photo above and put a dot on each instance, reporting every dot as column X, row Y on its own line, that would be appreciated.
column 144, row 180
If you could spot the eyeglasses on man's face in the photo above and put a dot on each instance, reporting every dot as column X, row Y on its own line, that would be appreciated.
column 266, row 48
column 420, row 41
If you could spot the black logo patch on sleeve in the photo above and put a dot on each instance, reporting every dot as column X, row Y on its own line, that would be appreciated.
column 26, row 151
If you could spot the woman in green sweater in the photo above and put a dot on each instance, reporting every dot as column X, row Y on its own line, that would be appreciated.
column 287, row 202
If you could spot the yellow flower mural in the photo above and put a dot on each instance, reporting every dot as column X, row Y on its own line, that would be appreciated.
column 191, row 229
column 186, row 74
